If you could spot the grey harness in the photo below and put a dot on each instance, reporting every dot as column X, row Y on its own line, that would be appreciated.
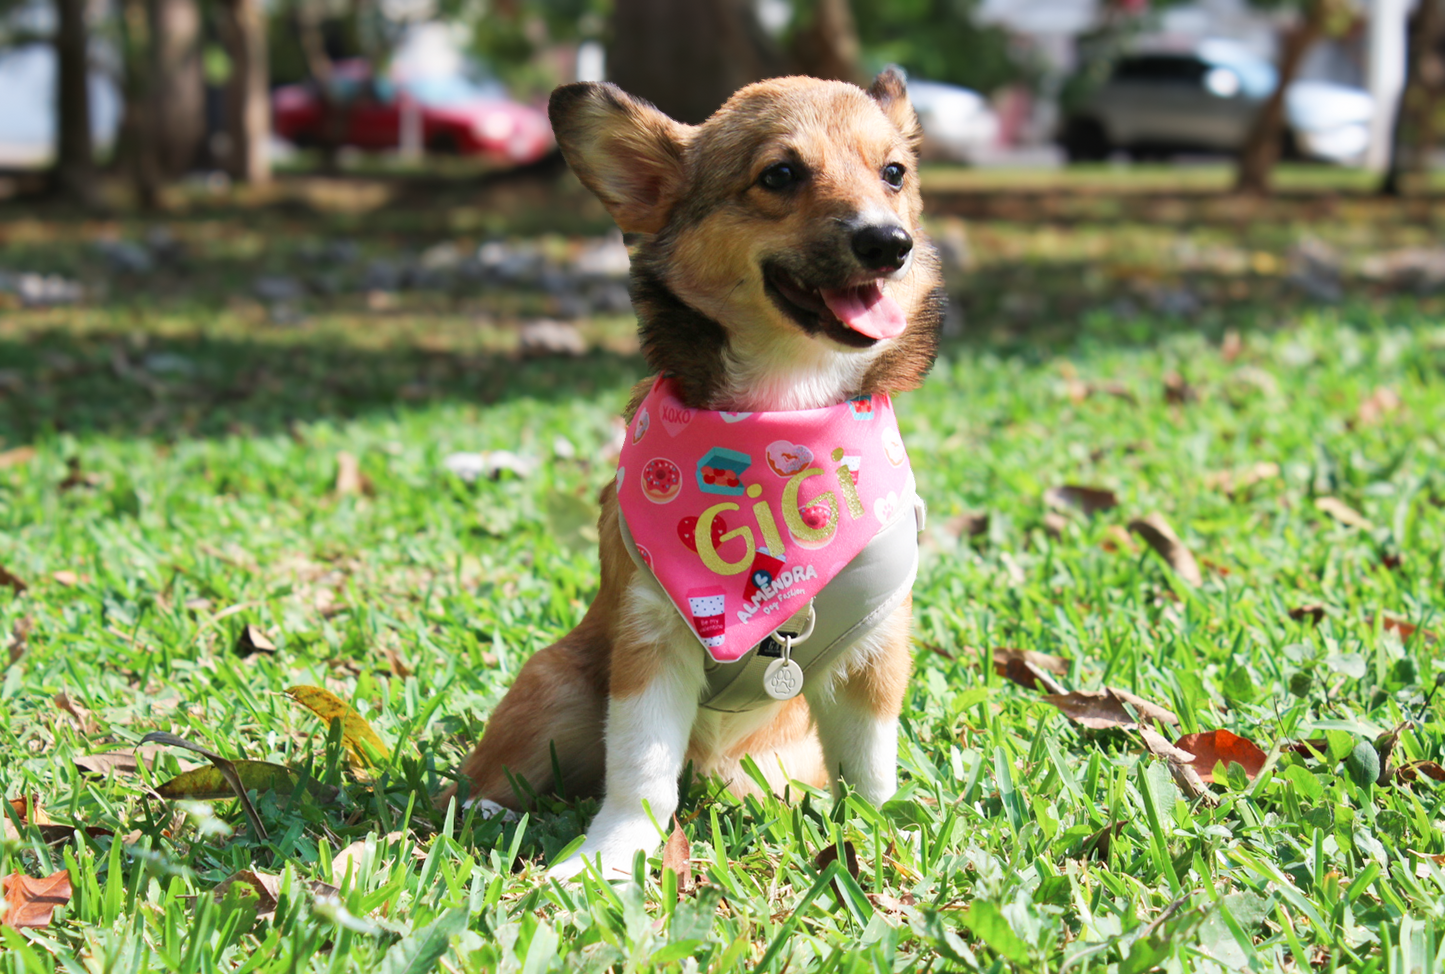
column 872, row 585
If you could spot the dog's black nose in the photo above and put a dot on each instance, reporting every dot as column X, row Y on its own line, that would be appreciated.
column 882, row 247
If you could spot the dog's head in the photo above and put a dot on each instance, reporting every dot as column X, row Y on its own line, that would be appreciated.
column 781, row 262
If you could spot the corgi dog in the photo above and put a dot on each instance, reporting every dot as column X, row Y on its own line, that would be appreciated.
column 779, row 267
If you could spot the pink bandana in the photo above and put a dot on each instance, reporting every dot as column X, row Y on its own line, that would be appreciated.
column 744, row 517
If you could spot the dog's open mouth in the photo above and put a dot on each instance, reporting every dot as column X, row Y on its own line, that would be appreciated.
column 859, row 316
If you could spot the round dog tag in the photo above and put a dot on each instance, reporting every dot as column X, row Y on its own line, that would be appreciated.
column 783, row 679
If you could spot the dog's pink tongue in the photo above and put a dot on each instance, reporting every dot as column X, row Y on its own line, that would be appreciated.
column 866, row 310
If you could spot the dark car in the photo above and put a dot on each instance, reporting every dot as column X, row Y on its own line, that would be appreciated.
column 453, row 113
column 1205, row 100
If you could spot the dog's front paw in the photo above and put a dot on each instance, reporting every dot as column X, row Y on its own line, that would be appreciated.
column 616, row 843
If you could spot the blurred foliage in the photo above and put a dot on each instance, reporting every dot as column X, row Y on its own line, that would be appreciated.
column 518, row 39
column 940, row 40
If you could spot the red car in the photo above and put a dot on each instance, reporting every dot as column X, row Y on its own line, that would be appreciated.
column 456, row 114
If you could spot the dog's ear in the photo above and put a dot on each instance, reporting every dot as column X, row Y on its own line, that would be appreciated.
column 623, row 149
column 890, row 91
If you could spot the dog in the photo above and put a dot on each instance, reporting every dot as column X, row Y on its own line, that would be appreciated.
column 779, row 268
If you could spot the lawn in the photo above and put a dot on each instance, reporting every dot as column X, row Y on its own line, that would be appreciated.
column 234, row 471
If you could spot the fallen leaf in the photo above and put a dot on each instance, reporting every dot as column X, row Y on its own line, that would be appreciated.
column 1117, row 539
column 1102, row 709
column 125, row 762
column 223, row 766
column 1402, row 628
column 889, row 904
column 1342, row 512
column 1161, row 537
column 1055, row 524
column 1315, row 748
column 677, row 856
column 349, row 478
column 266, row 886
column 1221, row 746
column 1233, row 482
column 209, row 782
column 830, row 852
column 1377, row 405
column 1314, row 613
column 969, row 524
column 1177, row 390
column 349, row 860
column 1097, row 845
column 252, row 641
column 1089, row 500
column 395, row 663
column 32, row 902
column 1030, row 669
column 68, row 578
column 12, row 581
column 1385, row 747
column 365, row 745
column 1413, row 770
column 19, row 639
column 1180, row 764
column 82, row 717
column 16, row 456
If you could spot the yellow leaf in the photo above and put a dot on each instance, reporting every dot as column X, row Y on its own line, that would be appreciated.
column 365, row 745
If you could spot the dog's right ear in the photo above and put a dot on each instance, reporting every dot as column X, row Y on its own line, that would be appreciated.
column 623, row 149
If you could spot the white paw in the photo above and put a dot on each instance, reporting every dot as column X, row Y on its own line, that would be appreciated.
column 489, row 809
column 616, row 842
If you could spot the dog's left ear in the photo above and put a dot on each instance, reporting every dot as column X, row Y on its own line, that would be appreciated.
column 890, row 91
column 623, row 149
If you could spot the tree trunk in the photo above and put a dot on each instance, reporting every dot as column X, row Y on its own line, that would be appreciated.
column 248, row 102
column 136, row 153
column 178, row 109
column 687, row 58
column 827, row 46
column 74, row 174
column 1413, row 134
column 1262, row 147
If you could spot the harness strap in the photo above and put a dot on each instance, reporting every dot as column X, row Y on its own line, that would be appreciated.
column 872, row 585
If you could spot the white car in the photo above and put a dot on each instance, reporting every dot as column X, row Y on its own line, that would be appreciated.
column 958, row 123
column 1158, row 103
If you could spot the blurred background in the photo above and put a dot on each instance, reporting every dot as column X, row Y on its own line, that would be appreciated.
column 338, row 173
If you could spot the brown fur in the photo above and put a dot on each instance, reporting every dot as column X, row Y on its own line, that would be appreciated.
column 708, row 226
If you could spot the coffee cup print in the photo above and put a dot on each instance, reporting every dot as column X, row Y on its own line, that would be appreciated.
column 708, row 605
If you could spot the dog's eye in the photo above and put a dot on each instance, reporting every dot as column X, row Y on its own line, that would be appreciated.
column 893, row 174
column 780, row 176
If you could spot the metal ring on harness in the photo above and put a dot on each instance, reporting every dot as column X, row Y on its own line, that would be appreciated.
column 787, row 640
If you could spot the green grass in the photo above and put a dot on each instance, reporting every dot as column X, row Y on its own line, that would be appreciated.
column 207, row 503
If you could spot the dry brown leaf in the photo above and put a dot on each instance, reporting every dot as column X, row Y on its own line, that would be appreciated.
column 1102, row 709
column 12, row 581
column 1161, row 537
column 1313, row 749
column 1233, row 482
column 1029, row 669
column 32, row 902
column 1385, row 747
column 1180, row 765
column 1377, row 405
column 395, row 663
column 1413, row 771
column 82, row 717
column 349, row 859
column 1097, row 845
column 1313, row 612
column 126, row 762
column 19, row 639
column 969, row 524
column 1342, row 512
column 677, row 856
column 1211, row 747
column 1402, row 628
column 891, row 905
column 1117, row 539
column 1054, row 524
column 252, row 641
column 830, row 852
column 266, row 886
column 1089, row 500
column 68, row 578
column 349, row 478
column 1178, row 391
column 16, row 456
